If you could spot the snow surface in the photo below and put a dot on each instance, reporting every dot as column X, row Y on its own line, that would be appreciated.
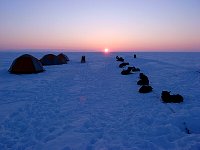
column 92, row 106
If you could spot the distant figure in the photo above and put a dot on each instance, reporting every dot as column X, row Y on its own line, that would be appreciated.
column 134, row 55
column 83, row 59
column 167, row 98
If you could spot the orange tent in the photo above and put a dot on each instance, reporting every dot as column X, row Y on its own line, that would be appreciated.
column 63, row 58
column 50, row 59
column 26, row 64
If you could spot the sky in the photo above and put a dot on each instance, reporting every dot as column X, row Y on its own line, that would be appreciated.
column 93, row 25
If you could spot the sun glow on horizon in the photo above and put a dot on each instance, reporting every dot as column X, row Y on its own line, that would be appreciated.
column 106, row 50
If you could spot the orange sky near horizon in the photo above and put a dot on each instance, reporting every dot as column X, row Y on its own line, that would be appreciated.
column 93, row 26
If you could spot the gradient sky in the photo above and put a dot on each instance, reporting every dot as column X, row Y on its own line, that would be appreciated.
column 120, row 25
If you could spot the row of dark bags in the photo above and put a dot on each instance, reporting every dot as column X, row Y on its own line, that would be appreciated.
column 27, row 64
column 144, row 82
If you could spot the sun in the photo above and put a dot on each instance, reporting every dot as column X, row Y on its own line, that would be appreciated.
column 106, row 50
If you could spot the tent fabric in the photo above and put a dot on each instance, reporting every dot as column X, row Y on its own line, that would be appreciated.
column 50, row 59
column 67, row 58
column 63, row 58
column 26, row 64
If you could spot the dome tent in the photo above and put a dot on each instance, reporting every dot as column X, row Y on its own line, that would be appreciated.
column 63, row 58
column 26, row 64
column 50, row 59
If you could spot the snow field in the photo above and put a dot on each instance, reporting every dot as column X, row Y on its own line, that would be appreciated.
column 92, row 106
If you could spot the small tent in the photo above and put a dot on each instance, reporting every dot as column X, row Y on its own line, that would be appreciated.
column 63, row 58
column 26, row 64
column 50, row 59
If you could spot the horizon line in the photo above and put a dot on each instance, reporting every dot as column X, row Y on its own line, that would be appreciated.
column 93, row 50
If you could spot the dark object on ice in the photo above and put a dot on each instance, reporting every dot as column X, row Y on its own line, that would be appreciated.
column 63, row 59
column 26, row 64
column 142, row 76
column 186, row 128
column 135, row 69
column 167, row 98
column 123, row 65
column 134, row 55
column 145, row 89
column 130, row 68
column 83, row 59
column 119, row 59
column 126, row 72
column 50, row 59
column 143, row 80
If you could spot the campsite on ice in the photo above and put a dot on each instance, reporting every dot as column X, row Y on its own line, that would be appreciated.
column 92, row 106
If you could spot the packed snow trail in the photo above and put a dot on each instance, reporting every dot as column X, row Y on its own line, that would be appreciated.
column 92, row 106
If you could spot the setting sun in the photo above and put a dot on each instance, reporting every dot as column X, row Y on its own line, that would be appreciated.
column 106, row 50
